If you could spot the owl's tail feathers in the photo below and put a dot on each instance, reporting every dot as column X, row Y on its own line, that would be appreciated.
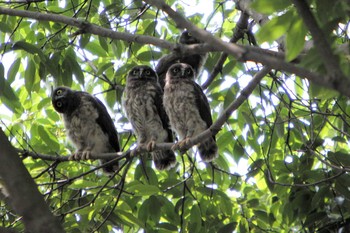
column 164, row 160
column 208, row 150
column 110, row 168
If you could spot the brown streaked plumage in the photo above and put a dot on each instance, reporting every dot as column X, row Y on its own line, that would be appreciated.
column 142, row 102
column 188, row 109
column 88, row 124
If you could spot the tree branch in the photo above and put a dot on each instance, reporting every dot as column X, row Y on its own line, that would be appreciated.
column 213, row 130
column 266, row 57
column 244, row 6
column 245, row 93
column 86, row 27
column 324, row 49
column 24, row 196
column 239, row 32
column 245, row 53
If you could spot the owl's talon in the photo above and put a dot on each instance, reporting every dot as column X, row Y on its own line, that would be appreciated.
column 151, row 145
column 183, row 144
column 80, row 155
column 85, row 155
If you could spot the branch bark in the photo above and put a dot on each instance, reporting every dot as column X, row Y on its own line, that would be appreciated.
column 266, row 57
column 239, row 32
column 244, row 53
column 213, row 130
column 24, row 195
column 330, row 61
column 245, row 93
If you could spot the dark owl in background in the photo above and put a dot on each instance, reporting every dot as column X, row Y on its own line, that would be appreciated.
column 188, row 109
column 88, row 124
column 143, row 104
column 196, row 61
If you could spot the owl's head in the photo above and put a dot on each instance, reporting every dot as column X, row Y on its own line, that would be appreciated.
column 142, row 72
column 180, row 71
column 187, row 38
column 64, row 99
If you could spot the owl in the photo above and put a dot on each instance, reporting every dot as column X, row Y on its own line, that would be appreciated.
column 143, row 104
column 188, row 109
column 88, row 124
column 195, row 60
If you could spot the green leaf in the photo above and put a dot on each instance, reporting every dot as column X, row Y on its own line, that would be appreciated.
column 279, row 127
column 104, row 67
column 67, row 73
column 84, row 39
column 228, row 227
column 295, row 40
column 8, row 96
column 48, row 138
column 4, row 27
column 103, row 43
column 144, row 189
column 29, row 76
column 129, row 217
column 144, row 56
column 79, row 183
column 243, row 226
column 2, row 78
column 30, row 48
column 270, row 6
column 275, row 28
column 195, row 220
column 13, row 70
column 238, row 152
column 96, row 49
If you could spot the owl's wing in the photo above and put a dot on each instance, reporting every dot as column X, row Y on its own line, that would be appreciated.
column 158, row 101
column 105, row 121
column 202, row 104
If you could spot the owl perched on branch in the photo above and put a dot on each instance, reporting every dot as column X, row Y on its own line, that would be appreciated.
column 188, row 109
column 195, row 60
column 143, row 104
column 88, row 124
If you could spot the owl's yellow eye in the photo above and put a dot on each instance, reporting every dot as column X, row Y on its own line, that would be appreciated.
column 189, row 34
column 188, row 71
column 135, row 72
column 59, row 92
column 147, row 72
column 176, row 70
column 59, row 104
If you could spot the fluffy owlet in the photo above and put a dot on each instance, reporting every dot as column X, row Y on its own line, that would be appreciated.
column 188, row 109
column 143, row 104
column 195, row 60
column 88, row 124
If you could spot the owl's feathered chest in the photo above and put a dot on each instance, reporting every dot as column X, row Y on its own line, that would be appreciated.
column 181, row 106
column 141, row 108
column 83, row 129
column 180, row 95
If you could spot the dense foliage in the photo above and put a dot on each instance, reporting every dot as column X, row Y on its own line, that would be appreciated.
column 284, row 153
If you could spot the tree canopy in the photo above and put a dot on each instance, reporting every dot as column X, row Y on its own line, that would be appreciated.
column 277, row 80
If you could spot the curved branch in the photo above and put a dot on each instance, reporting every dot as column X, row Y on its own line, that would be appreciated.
column 245, row 93
column 86, row 27
column 24, row 195
column 245, row 53
column 213, row 130
column 239, row 32
column 266, row 57
column 330, row 61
